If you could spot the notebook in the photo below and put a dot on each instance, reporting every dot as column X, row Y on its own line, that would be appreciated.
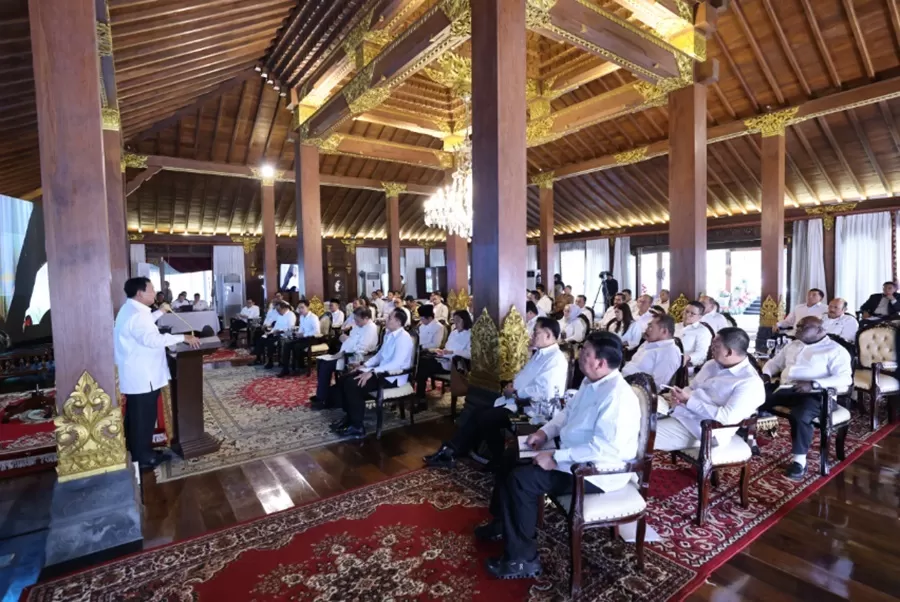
column 527, row 452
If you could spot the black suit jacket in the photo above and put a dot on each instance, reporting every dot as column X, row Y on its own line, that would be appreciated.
column 610, row 288
column 872, row 304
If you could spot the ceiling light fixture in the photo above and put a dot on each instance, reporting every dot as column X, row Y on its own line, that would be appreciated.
column 267, row 171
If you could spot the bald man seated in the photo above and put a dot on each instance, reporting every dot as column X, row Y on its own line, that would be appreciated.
column 838, row 322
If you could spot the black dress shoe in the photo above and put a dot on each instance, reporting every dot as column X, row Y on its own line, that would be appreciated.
column 338, row 425
column 442, row 458
column 151, row 464
column 318, row 405
column 514, row 569
column 795, row 472
column 492, row 531
column 353, row 432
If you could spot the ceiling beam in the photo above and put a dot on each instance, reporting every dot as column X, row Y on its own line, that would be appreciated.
column 133, row 184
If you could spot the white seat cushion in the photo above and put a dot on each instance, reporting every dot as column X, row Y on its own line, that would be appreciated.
column 323, row 347
column 862, row 379
column 623, row 502
column 732, row 451
column 395, row 392
column 840, row 415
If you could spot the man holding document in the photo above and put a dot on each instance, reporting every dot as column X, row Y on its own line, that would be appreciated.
column 601, row 424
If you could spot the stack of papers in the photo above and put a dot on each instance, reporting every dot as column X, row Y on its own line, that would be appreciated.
column 525, row 451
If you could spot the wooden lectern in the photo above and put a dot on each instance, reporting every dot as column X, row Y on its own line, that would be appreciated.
column 186, row 366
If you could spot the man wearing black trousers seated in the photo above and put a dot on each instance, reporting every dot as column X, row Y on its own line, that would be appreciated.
column 362, row 341
column 542, row 378
column 601, row 424
column 397, row 353
column 309, row 328
column 250, row 311
column 807, row 365
column 265, row 344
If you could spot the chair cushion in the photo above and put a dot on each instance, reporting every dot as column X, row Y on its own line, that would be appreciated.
column 321, row 348
column 732, row 451
column 395, row 392
column 840, row 415
column 862, row 379
column 598, row 507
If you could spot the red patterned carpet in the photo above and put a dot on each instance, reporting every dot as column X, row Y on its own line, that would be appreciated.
column 409, row 538
column 225, row 354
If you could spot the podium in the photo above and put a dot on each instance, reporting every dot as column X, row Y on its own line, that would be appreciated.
column 186, row 366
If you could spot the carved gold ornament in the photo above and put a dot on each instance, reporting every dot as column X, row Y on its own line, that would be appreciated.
column 316, row 306
column 135, row 161
column 628, row 157
column 513, row 345
column 444, row 159
column 540, row 131
column 327, row 145
column 104, row 39
column 167, row 413
column 462, row 301
column 357, row 34
column 676, row 308
column 89, row 434
column 392, row 189
column 460, row 14
column 828, row 212
column 110, row 119
column 452, row 71
column 369, row 100
column 769, row 313
column 544, row 180
column 350, row 244
column 249, row 242
column 771, row 124
column 485, row 353
column 135, row 236
column 537, row 13
column 267, row 180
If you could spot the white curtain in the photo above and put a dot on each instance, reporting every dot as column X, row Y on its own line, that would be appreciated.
column 138, row 253
column 623, row 270
column 415, row 258
column 14, row 216
column 572, row 263
column 862, row 256
column 228, row 276
column 596, row 260
column 531, row 260
column 548, row 278
column 807, row 259
column 438, row 258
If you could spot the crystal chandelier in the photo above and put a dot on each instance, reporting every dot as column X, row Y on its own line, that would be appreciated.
column 450, row 208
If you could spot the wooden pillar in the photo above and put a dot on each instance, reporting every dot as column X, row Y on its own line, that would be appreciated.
column 772, row 230
column 309, row 221
column 545, row 245
column 270, row 249
column 499, row 199
column 457, row 258
column 828, row 243
column 687, row 190
column 392, row 206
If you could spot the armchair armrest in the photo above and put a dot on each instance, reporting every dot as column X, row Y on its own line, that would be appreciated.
column 708, row 426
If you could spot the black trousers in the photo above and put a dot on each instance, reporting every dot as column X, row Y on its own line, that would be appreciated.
column 324, row 370
column 804, row 408
column 428, row 367
column 266, row 346
column 298, row 347
column 515, row 504
column 140, row 420
column 488, row 425
column 236, row 325
column 353, row 396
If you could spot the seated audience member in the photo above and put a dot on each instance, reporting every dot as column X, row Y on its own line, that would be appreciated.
column 266, row 342
column 727, row 389
column 696, row 336
column 632, row 304
column 659, row 355
column 610, row 314
column 839, row 323
column 581, row 302
column 534, row 296
column 378, row 301
column 883, row 305
column 158, row 301
column 398, row 304
column 663, row 300
column 542, row 378
column 200, row 304
column 814, row 306
column 431, row 332
column 250, row 311
column 388, row 307
column 337, row 315
column 412, row 305
column 181, row 301
column 711, row 314
column 531, row 317
column 362, row 341
column 601, row 424
column 558, row 285
column 563, row 299
column 643, row 315
column 574, row 326
column 396, row 353
column 308, row 328
column 544, row 303
column 809, row 363
column 352, row 307
column 441, row 311
column 278, row 298
column 625, row 327
column 657, row 310
column 459, row 343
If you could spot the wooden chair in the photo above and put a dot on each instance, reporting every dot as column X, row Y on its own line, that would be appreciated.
column 625, row 505
column 319, row 345
column 876, row 376
column 731, row 321
column 399, row 395
column 737, row 452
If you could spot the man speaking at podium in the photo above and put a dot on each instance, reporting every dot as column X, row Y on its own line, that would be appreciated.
column 140, row 351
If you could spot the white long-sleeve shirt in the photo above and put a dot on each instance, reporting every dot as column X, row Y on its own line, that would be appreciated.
column 661, row 360
column 643, row 320
column 801, row 311
column 179, row 303
column 396, row 353
column 716, row 320
column 272, row 316
column 431, row 335
column 337, row 319
column 140, row 349
column 386, row 308
column 825, row 363
column 285, row 322
column 441, row 312
column 602, row 425
column 250, row 313
column 460, row 343
column 308, row 325
column 631, row 338
column 201, row 305
column 544, row 376
column 545, row 303
column 362, row 339
column 844, row 327
column 608, row 316
column 696, row 339
column 727, row 395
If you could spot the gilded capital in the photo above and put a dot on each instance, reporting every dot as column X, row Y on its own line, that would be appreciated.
column 393, row 189
column 135, row 161
column 828, row 212
column 248, row 242
column 771, row 124
column 110, row 119
column 544, row 180
column 631, row 156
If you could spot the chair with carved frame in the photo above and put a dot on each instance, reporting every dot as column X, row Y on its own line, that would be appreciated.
column 876, row 376
column 319, row 345
column 629, row 504
column 399, row 395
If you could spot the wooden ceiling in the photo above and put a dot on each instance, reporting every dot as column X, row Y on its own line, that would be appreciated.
column 190, row 86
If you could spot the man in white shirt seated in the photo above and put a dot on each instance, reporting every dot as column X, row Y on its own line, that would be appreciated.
column 531, row 317
column 839, row 323
column 200, row 304
column 727, row 389
column 542, row 378
column 431, row 332
column 544, row 303
column 388, row 306
column 807, row 365
column 459, row 344
column 711, row 314
column 643, row 315
column 337, row 316
column 308, row 329
column 632, row 303
column 610, row 314
column 250, row 311
column 181, row 301
column 398, row 304
column 140, row 355
column 581, row 302
column 265, row 344
column 663, row 299
column 362, row 341
column 696, row 336
column 658, row 356
column 397, row 353
column 378, row 301
column 441, row 311
column 601, row 424
column 814, row 306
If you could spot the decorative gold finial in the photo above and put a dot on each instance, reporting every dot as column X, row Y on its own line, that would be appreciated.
column 513, row 344
column 676, row 309
column 316, row 306
column 110, row 119
column 485, row 353
column 451, row 300
column 462, row 301
column 828, row 212
column 249, row 242
column 768, row 313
